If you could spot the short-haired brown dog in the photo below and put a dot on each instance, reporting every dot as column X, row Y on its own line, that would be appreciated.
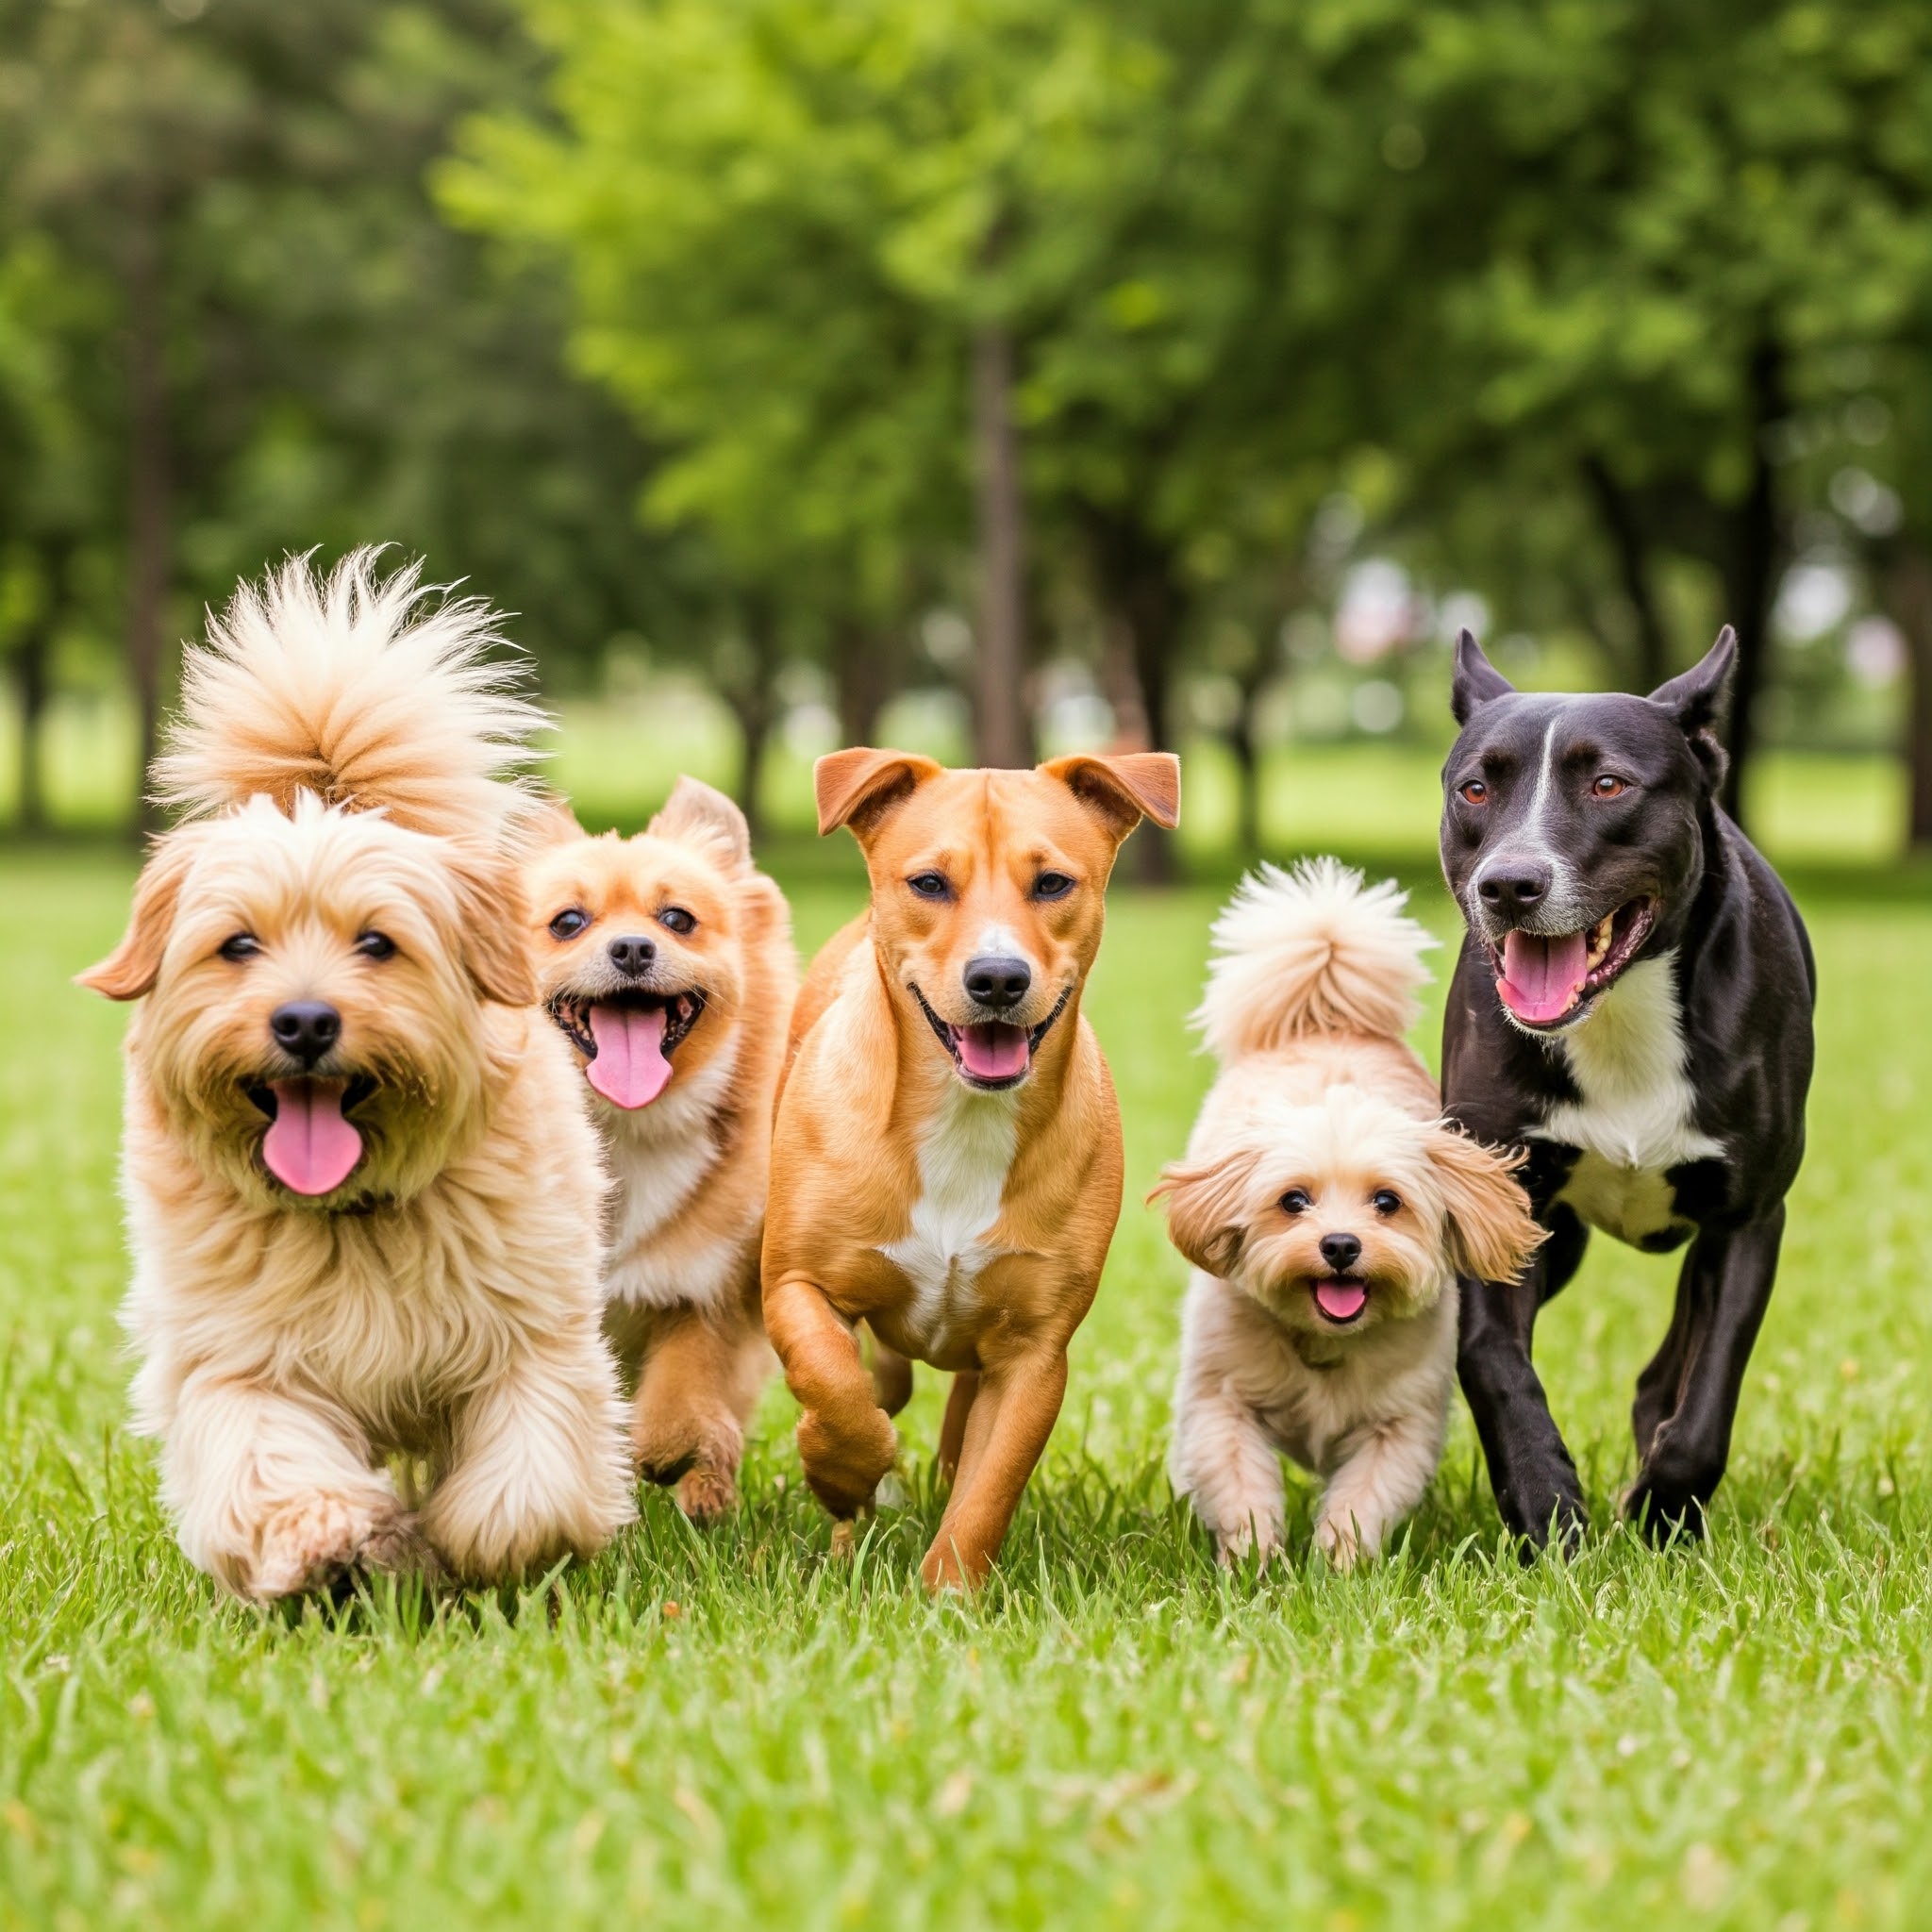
column 666, row 959
column 946, row 1162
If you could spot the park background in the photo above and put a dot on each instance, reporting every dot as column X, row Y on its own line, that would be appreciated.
column 996, row 379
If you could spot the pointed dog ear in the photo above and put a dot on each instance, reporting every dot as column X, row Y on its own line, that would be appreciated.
column 1124, row 788
column 1700, row 700
column 1491, row 1232
column 860, row 786
column 1206, row 1210
column 491, row 915
column 131, row 969
column 700, row 815
column 1475, row 680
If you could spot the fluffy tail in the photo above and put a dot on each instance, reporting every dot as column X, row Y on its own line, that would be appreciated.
column 1310, row 951
column 360, row 689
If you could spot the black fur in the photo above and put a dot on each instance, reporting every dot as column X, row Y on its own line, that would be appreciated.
column 1746, row 983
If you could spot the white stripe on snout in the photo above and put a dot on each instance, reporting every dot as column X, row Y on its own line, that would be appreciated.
column 1561, row 909
column 998, row 943
column 1539, row 798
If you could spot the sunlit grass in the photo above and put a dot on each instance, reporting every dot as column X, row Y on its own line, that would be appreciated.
column 708, row 1731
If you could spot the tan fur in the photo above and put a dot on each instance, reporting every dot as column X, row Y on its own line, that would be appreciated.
column 1314, row 983
column 436, row 1316
column 691, row 1168
column 965, row 1228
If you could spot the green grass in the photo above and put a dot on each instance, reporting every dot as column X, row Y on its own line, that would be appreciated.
column 705, row 1731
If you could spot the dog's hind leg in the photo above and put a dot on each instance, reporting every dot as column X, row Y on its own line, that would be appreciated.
column 696, row 1389
column 1722, row 1297
column 952, row 1429
column 892, row 1376
column 845, row 1440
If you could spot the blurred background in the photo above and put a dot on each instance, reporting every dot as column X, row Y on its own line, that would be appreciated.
column 991, row 377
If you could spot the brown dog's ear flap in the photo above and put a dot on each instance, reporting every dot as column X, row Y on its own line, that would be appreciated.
column 491, row 914
column 1124, row 788
column 1491, row 1232
column 1474, row 680
column 701, row 815
column 1206, row 1217
column 131, row 969
column 1700, row 700
column 858, row 787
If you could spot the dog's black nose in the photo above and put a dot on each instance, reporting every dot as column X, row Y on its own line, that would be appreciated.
column 1341, row 1251
column 632, row 954
column 1514, row 885
column 305, row 1029
column 999, row 983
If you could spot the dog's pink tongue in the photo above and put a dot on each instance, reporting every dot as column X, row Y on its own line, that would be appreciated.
column 630, row 1069
column 309, row 1145
column 993, row 1051
column 1542, row 975
column 1343, row 1300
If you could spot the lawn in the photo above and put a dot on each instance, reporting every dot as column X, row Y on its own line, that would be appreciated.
column 712, row 1730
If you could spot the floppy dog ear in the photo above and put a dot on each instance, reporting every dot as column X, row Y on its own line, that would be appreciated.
column 1491, row 1232
column 491, row 913
column 131, row 969
column 699, row 814
column 1124, row 788
column 1206, row 1210
column 1475, row 680
column 1700, row 701
column 858, row 787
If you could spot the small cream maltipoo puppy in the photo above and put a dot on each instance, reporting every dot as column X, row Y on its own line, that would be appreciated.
column 1327, row 1209
column 363, row 1192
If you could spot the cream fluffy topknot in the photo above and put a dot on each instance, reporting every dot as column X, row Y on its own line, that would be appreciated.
column 360, row 689
column 1311, row 951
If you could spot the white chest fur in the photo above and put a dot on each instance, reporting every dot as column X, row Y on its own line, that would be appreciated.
column 1635, row 1118
column 964, row 1156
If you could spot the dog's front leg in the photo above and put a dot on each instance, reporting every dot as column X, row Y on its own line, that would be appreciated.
column 1530, row 1469
column 1014, row 1408
column 1722, row 1296
column 539, row 1467
column 1380, row 1484
column 697, row 1387
column 272, row 1495
column 1224, row 1463
column 845, row 1440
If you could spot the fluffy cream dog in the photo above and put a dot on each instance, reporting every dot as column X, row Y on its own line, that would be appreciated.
column 1327, row 1209
column 362, row 1190
column 666, row 959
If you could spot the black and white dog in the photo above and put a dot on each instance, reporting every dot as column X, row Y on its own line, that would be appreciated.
column 1633, row 1008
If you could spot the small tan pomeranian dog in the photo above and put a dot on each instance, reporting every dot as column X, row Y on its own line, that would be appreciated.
column 363, row 1189
column 666, row 962
column 1327, row 1209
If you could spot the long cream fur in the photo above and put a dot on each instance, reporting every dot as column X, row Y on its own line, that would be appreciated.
column 407, row 1372
column 1320, row 1101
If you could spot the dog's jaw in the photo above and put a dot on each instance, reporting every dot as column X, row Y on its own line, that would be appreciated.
column 991, row 1056
column 642, row 1028
column 1547, row 983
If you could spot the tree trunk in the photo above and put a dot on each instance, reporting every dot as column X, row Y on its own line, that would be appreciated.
column 149, row 491
column 755, row 708
column 865, row 672
column 1751, row 571
column 1630, row 547
column 1002, row 725
column 1910, row 598
column 1242, row 743
column 32, row 665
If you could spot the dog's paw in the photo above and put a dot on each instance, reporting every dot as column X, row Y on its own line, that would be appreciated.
column 399, row 1548
column 1239, row 1547
column 1662, row 1512
column 843, row 1463
column 1343, row 1540
column 704, row 1494
column 308, row 1544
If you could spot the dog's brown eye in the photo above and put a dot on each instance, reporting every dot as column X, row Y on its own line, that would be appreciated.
column 1383, row 1202
column 1296, row 1202
column 1610, row 786
column 244, row 945
column 676, row 919
column 375, row 945
column 1052, row 884
column 930, row 885
column 569, row 923
column 1474, row 792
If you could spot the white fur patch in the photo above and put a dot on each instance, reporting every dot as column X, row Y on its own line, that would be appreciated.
column 965, row 1158
column 1636, row 1118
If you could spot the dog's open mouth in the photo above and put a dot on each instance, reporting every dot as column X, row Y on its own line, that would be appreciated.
column 311, row 1146
column 992, row 1054
column 628, row 1038
column 1342, row 1298
column 1543, row 978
